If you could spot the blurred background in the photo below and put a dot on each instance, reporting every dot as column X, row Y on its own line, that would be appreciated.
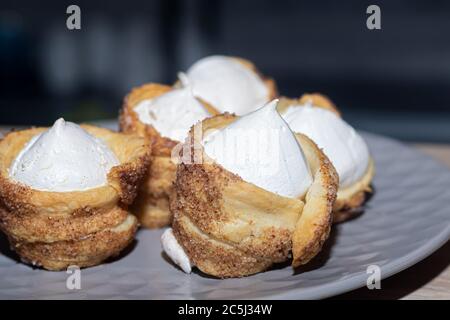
column 394, row 81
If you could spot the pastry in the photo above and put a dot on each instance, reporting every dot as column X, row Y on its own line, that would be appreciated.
column 230, row 84
column 163, row 115
column 64, row 193
column 317, row 117
column 238, row 210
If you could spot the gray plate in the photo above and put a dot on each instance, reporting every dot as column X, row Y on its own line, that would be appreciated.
column 405, row 221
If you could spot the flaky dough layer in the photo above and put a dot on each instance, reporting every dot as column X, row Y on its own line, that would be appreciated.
column 87, row 251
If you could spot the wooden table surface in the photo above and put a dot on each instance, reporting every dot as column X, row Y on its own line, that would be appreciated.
column 428, row 279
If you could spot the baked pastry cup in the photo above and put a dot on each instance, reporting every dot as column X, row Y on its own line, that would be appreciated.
column 350, row 199
column 86, row 251
column 231, row 228
column 152, row 204
column 58, row 229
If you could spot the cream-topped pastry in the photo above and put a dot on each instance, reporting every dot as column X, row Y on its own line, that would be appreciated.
column 172, row 113
column 65, row 193
column 261, row 148
column 64, row 158
column 233, row 214
column 228, row 84
column 341, row 143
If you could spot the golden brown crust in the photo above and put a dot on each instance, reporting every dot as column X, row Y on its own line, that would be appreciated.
column 349, row 200
column 146, row 206
column 60, row 223
column 85, row 251
column 152, row 205
column 134, row 154
column 316, row 99
column 215, row 253
column 313, row 227
column 231, row 228
column 152, row 212
column 51, row 228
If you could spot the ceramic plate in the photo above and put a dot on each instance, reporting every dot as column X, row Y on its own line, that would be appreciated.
column 406, row 220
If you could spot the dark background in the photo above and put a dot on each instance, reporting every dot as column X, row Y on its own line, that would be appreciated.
column 394, row 81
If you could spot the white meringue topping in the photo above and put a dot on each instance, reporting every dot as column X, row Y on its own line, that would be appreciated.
column 345, row 148
column 172, row 114
column 175, row 252
column 227, row 84
column 63, row 158
column 261, row 148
